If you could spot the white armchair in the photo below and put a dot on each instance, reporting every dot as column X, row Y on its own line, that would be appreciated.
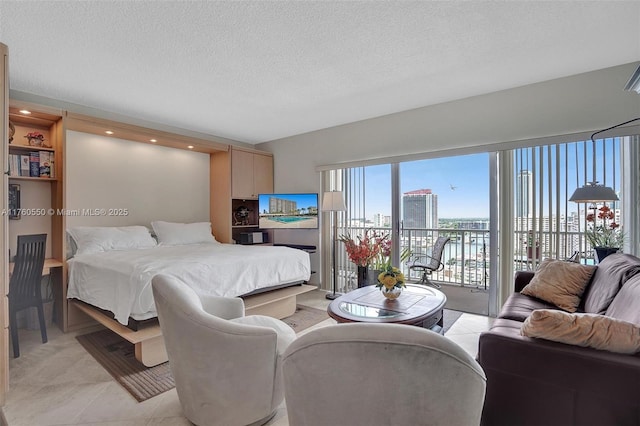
column 227, row 367
column 381, row 374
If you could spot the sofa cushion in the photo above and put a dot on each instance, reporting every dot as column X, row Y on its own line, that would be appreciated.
column 611, row 274
column 626, row 305
column 589, row 330
column 518, row 307
column 560, row 283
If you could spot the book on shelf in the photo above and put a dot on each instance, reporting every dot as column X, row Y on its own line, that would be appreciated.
column 14, row 165
column 34, row 162
column 45, row 164
column 25, row 167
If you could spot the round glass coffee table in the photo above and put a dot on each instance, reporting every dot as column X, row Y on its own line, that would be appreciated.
column 417, row 305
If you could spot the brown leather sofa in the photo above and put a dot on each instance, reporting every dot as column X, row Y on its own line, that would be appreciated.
column 540, row 382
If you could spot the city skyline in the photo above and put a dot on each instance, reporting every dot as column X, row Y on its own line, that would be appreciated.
column 461, row 183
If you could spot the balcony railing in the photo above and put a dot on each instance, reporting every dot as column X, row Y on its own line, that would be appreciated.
column 466, row 256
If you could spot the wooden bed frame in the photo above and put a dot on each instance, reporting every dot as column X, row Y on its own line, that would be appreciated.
column 148, row 341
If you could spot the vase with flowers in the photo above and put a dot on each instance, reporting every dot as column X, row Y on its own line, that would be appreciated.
column 362, row 251
column 35, row 138
column 604, row 234
column 391, row 282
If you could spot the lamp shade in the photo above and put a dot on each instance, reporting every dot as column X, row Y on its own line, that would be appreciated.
column 333, row 201
column 593, row 193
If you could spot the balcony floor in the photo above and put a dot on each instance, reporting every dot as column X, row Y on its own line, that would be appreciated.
column 466, row 299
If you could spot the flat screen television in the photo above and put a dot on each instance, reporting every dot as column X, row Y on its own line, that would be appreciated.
column 288, row 211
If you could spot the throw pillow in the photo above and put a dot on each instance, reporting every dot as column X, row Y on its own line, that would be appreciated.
column 560, row 283
column 173, row 234
column 589, row 330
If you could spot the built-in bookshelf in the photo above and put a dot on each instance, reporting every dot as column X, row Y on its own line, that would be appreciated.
column 35, row 161
column 31, row 163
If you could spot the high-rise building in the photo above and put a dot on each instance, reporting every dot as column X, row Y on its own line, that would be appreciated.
column 420, row 209
column 381, row 221
column 279, row 205
column 524, row 194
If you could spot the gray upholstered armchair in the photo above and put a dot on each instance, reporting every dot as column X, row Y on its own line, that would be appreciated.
column 381, row 374
column 227, row 367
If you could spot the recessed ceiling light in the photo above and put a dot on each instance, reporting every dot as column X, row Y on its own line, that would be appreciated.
column 153, row 140
column 190, row 147
column 25, row 112
column 109, row 132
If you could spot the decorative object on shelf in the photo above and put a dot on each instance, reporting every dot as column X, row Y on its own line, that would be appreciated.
column 604, row 234
column 35, row 138
column 333, row 201
column 241, row 216
column 363, row 251
column 391, row 282
column 12, row 131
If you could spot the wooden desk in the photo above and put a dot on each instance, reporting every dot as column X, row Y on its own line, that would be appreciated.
column 46, row 270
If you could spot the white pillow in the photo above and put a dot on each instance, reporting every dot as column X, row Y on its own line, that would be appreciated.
column 173, row 234
column 96, row 239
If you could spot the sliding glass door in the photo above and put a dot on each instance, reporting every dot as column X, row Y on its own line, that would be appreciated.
column 449, row 197
column 414, row 203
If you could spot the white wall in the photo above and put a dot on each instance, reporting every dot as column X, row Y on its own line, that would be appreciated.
column 580, row 103
column 151, row 182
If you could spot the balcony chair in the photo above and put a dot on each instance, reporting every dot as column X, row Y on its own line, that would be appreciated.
column 227, row 367
column 380, row 374
column 25, row 284
column 427, row 264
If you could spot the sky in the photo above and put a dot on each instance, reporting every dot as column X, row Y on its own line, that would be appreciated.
column 461, row 183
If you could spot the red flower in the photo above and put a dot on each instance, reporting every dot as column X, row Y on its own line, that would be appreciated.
column 363, row 251
column 602, row 233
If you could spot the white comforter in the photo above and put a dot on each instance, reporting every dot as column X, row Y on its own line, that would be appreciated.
column 120, row 281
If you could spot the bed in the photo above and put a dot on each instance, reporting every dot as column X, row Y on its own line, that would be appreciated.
column 120, row 281
column 112, row 268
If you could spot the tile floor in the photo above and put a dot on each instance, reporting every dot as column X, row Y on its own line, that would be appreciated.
column 59, row 383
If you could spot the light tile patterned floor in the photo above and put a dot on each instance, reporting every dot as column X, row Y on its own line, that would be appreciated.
column 59, row 383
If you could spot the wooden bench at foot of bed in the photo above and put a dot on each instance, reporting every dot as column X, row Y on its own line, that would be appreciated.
column 148, row 341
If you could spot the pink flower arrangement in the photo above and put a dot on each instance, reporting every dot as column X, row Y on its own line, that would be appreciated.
column 34, row 135
column 605, row 233
column 367, row 248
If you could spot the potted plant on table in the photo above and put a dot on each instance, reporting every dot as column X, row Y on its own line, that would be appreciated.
column 604, row 234
column 391, row 282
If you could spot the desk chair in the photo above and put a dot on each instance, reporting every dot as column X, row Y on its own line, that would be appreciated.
column 25, row 284
column 427, row 264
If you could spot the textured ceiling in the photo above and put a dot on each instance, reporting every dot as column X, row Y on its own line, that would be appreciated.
column 258, row 71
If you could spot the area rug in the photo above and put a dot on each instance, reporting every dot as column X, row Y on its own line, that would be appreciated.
column 305, row 317
column 117, row 356
column 450, row 317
